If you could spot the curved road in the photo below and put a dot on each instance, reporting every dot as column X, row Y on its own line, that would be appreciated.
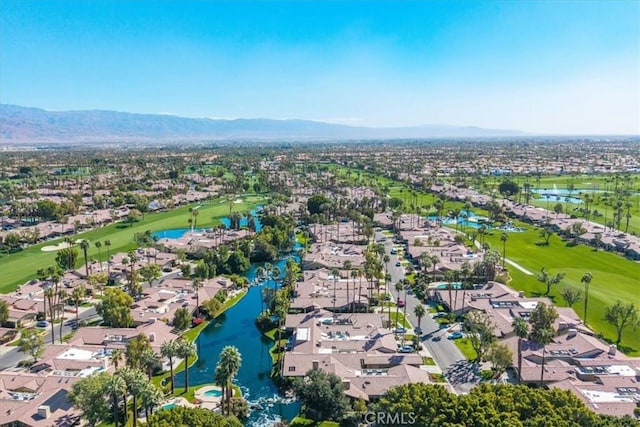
column 461, row 373
column 10, row 356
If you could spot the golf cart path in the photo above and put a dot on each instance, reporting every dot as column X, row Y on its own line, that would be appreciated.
column 518, row 266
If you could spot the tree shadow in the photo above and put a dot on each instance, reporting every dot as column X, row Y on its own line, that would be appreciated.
column 627, row 349
column 463, row 371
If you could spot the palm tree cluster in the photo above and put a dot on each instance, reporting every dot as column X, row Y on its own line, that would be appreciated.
column 228, row 365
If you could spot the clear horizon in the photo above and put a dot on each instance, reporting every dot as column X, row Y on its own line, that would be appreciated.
column 541, row 67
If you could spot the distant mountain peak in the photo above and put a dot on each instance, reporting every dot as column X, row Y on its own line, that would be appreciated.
column 35, row 125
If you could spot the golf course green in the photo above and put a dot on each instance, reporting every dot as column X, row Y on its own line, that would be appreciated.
column 20, row 267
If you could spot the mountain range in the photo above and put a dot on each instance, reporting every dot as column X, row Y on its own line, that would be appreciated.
column 24, row 125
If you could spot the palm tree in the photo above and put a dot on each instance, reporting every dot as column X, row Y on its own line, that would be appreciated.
column 434, row 263
column 133, row 258
column 220, row 378
column 151, row 397
column 186, row 349
column 521, row 329
column 197, row 284
column 116, row 357
column 347, row 266
column 62, row 297
column 281, row 312
column 77, row 295
column 115, row 387
column 268, row 271
column 448, row 277
column 466, row 272
column 425, row 262
column 229, row 363
column 275, row 275
column 504, row 237
column 84, row 245
column 149, row 359
column 135, row 381
column 405, row 286
column 354, row 275
column 419, row 311
column 99, row 247
column 49, row 295
column 4, row 311
column 260, row 272
column 387, row 282
column 195, row 214
column 169, row 349
column 334, row 275
column 398, row 288
column 107, row 244
column 586, row 279
column 481, row 232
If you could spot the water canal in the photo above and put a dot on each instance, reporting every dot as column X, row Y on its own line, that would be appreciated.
column 236, row 327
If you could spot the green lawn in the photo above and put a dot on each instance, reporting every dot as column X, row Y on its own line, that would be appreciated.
column 428, row 361
column 398, row 318
column 20, row 267
column 465, row 347
column 614, row 277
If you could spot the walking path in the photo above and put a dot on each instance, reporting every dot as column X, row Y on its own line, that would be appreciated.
column 518, row 266
column 508, row 261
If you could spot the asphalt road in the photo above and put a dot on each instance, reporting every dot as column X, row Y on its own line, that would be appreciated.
column 11, row 356
column 461, row 373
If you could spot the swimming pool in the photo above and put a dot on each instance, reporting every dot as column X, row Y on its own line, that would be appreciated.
column 453, row 286
column 168, row 406
column 214, row 392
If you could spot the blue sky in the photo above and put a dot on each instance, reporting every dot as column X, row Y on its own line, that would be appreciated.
column 562, row 67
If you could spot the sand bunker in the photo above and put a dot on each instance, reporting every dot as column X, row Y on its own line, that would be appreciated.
column 57, row 247
column 61, row 245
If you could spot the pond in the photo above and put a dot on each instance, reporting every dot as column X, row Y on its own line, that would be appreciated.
column 245, row 220
column 561, row 199
column 176, row 233
column 236, row 327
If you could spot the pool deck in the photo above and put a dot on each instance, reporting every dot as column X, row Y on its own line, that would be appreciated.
column 179, row 401
column 208, row 402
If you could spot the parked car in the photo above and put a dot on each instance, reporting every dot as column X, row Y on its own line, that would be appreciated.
column 400, row 330
column 406, row 349
column 455, row 335
column 400, row 303
column 393, row 252
column 418, row 330
column 73, row 324
column 42, row 324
